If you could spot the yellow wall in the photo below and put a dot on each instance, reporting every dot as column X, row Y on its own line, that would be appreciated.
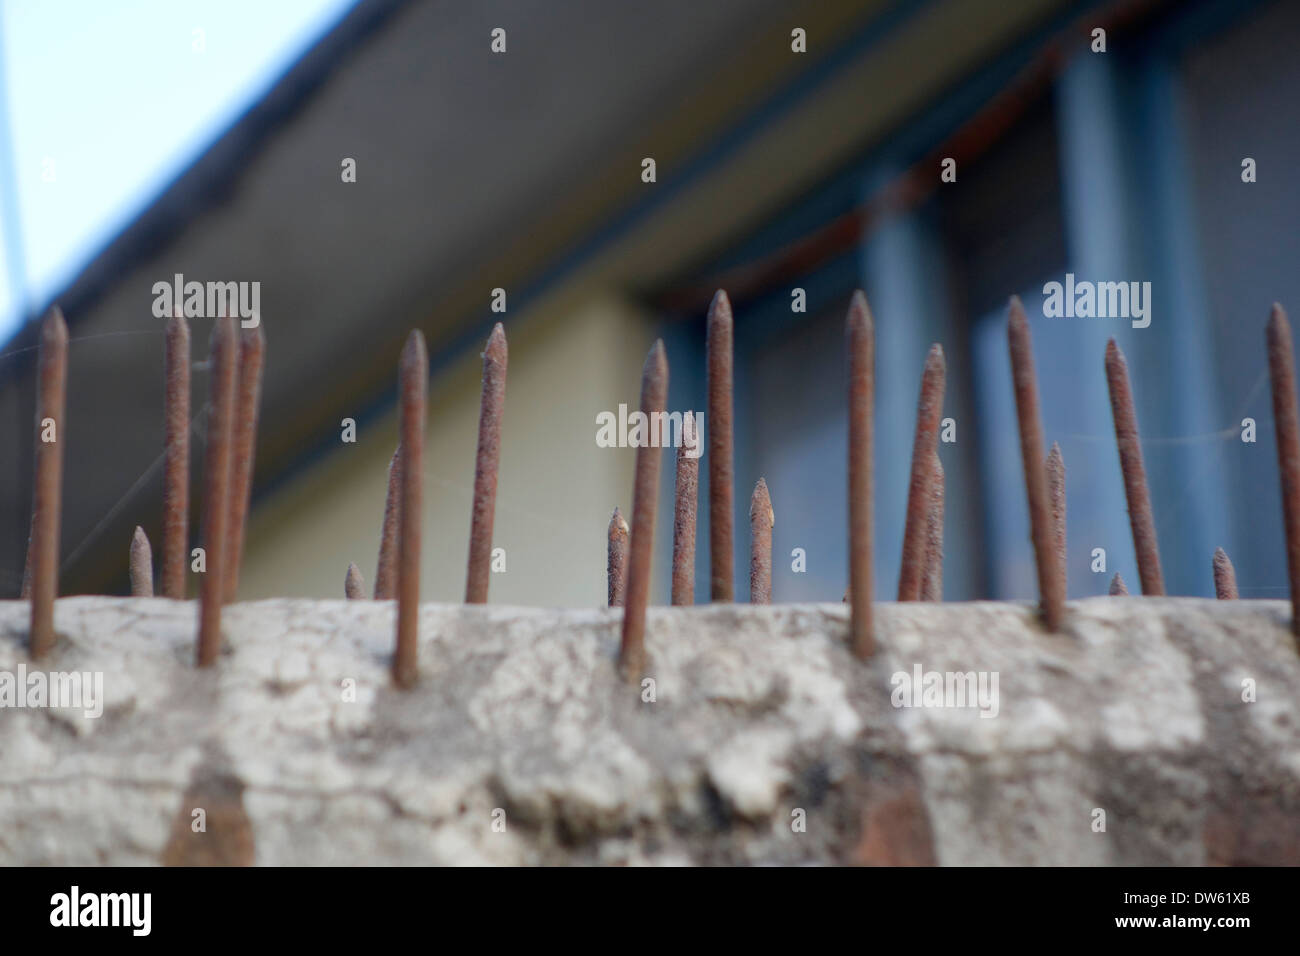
column 564, row 367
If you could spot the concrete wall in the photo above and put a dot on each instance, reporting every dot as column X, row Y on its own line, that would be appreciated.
column 1132, row 717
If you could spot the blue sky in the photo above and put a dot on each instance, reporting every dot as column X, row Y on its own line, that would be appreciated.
column 105, row 102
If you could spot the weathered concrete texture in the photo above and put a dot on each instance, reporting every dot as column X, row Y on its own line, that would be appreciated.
column 520, row 719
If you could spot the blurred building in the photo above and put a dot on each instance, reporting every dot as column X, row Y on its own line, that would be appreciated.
column 776, row 171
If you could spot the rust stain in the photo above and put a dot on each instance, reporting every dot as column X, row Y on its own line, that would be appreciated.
column 227, row 838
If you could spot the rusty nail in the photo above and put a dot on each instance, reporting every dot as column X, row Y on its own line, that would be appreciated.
column 413, row 373
column 685, row 496
column 645, row 495
column 932, row 583
column 860, row 336
column 1025, row 383
column 1286, row 422
column 216, row 489
column 386, row 571
column 141, row 565
column 1225, row 577
column 252, row 349
column 1117, row 586
column 929, row 409
column 616, row 559
column 176, row 460
column 47, row 503
column 491, row 409
column 761, row 521
column 719, row 360
column 1055, row 468
column 1135, row 476
column 354, row 589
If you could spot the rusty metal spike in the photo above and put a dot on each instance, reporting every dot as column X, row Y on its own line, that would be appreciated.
column 413, row 383
column 47, row 502
column 929, row 410
column 645, row 496
column 176, row 457
column 932, row 583
column 1025, row 383
column 386, row 571
column 685, row 496
column 252, row 351
column 216, row 489
column 1286, row 422
column 761, row 521
column 140, row 565
column 860, row 339
column 616, row 559
column 491, row 410
column 1135, row 476
column 354, row 589
column 1225, row 577
column 720, row 385
column 1055, row 469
